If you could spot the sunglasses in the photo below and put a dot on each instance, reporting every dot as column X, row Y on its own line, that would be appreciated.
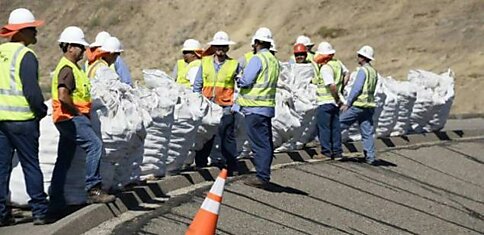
column 300, row 54
column 188, row 52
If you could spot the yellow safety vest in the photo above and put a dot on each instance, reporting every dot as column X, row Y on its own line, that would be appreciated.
column 81, row 96
column 263, row 91
column 367, row 97
column 248, row 56
column 13, row 105
column 219, row 86
column 323, row 92
column 182, row 71
column 92, row 68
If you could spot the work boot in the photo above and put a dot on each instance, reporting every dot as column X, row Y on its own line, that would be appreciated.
column 97, row 195
column 320, row 156
column 41, row 221
column 255, row 182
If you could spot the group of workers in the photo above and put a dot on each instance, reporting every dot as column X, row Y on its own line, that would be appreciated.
column 247, row 85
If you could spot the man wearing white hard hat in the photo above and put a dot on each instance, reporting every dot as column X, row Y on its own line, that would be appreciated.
column 216, row 81
column 186, row 69
column 330, row 82
column 71, row 102
column 109, row 51
column 21, row 108
column 306, row 41
column 361, row 104
column 257, row 98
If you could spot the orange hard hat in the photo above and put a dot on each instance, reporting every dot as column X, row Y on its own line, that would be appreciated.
column 300, row 48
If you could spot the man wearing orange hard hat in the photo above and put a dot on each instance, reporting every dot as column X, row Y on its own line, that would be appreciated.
column 21, row 109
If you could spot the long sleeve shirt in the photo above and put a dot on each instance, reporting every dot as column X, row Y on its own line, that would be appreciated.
column 357, row 86
column 123, row 71
column 248, row 79
column 198, row 83
column 29, row 76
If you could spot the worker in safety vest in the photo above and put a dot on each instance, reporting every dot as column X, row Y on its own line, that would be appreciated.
column 119, row 66
column 71, row 102
column 21, row 108
column 360, row 104
column 329, row 83
column 257, row 100
column 306, row 41
column 216, row 81
column 186, row 69
column 110, row 49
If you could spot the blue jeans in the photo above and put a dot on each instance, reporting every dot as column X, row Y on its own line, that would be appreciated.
column 74, row 132
column 329, row 132
column 259, row 131
column 22, row 137
column 228, row 147
column 364, row 116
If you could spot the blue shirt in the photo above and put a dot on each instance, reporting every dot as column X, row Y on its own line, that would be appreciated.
column 357, row 86
column 123, row 71
column 248, row 79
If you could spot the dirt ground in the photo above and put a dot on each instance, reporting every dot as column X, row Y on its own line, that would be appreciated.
column 434, row 34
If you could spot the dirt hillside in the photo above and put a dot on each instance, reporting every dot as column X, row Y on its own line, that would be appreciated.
column 406, row 34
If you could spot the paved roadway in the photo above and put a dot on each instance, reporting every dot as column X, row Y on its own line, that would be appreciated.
column 426, row 190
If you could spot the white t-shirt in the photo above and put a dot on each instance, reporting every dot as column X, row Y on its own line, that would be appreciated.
column 192, row 74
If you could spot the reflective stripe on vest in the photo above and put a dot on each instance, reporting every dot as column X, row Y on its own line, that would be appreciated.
column 219, row 86
column 263, row 92
column 81, row 96
column 13, row 105
column 367, row 97
column 323, row 92
column 92, row 68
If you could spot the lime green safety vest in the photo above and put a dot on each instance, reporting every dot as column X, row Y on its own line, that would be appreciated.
column 323, row 92
column 13, row 105
column 81, row 96
column 86, row 66
column 367, row 97
column 225, row 76
column 182, row 71
column 92, row 68
column 248, row 56
column 263, row 91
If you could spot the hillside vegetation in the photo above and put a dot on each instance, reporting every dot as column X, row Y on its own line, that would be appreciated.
column 406, row 34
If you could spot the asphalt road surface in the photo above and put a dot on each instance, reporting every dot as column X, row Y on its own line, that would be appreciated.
column 426, row 190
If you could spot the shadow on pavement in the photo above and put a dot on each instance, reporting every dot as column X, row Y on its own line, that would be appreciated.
column 378, row 162
column 276, row 188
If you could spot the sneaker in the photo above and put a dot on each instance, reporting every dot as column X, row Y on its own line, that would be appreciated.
column 255, row 182
column 97, row 195
column 7, row 221
column 41, row 221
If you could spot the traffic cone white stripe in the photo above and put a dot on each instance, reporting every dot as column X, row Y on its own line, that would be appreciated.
column 211, row 205
column 218, row 187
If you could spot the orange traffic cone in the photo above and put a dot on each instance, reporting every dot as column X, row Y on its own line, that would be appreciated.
column 205, row 221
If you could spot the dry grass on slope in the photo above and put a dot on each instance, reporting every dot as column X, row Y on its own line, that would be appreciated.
column 406, row 34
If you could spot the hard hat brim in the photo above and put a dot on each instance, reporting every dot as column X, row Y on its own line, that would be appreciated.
column 264, row 39
column 15, row 27
column 221, row 43
column 81, row 42
column 366, row 56
column 326, row 52
column 95, row 44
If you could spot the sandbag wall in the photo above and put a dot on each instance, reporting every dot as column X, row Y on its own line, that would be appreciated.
column 154, row 130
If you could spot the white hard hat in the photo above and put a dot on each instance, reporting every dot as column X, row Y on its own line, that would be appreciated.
column 100, row 37
column 22, row 18
column 366, row 51
column 306, row 41
column 112, row 45
column 191, row 45
column 73, row 34
column 325, row 48
column 273, row 47
column 221, row 38
column 263, row 34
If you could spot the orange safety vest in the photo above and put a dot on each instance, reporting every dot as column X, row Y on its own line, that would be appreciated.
column 219, row 86
column 81, row 96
